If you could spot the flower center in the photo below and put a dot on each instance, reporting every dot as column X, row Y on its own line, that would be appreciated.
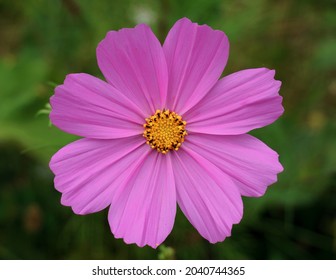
column 165, row 131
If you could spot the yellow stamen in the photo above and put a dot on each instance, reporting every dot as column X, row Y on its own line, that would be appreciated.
column 165, row 131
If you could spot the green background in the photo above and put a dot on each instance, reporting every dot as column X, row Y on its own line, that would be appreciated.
column 42, row 41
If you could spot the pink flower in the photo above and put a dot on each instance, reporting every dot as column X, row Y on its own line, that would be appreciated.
column 162, row 131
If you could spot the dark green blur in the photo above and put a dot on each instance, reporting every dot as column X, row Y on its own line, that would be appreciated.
column 42, row 41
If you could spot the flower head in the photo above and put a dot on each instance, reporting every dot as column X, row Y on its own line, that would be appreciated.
column 163, row 131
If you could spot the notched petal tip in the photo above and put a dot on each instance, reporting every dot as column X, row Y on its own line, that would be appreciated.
column 132, row 61
column 188, row 44
column 238, row 103
column 141, row 212
column 186, row 20
column 87, row 171
column 250, row 163
column 137, row 243
column 206, row 195
column 89, row 107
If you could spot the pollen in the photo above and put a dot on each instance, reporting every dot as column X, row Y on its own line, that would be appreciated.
column 164, row 131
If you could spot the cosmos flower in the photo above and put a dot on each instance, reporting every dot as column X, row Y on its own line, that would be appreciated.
column 165, row 130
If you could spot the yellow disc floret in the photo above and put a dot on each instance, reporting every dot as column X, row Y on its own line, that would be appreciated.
column 165, row 131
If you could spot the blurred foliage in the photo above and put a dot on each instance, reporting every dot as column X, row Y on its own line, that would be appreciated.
column 42, row 41
column 166, row 253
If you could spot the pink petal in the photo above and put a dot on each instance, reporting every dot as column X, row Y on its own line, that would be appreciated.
column 143, row 209
column 196, row 56
column 249, row 162
column 207, row 196
column 238, row 103
column 89, row 107
column 87, row 171
column 132, row 60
